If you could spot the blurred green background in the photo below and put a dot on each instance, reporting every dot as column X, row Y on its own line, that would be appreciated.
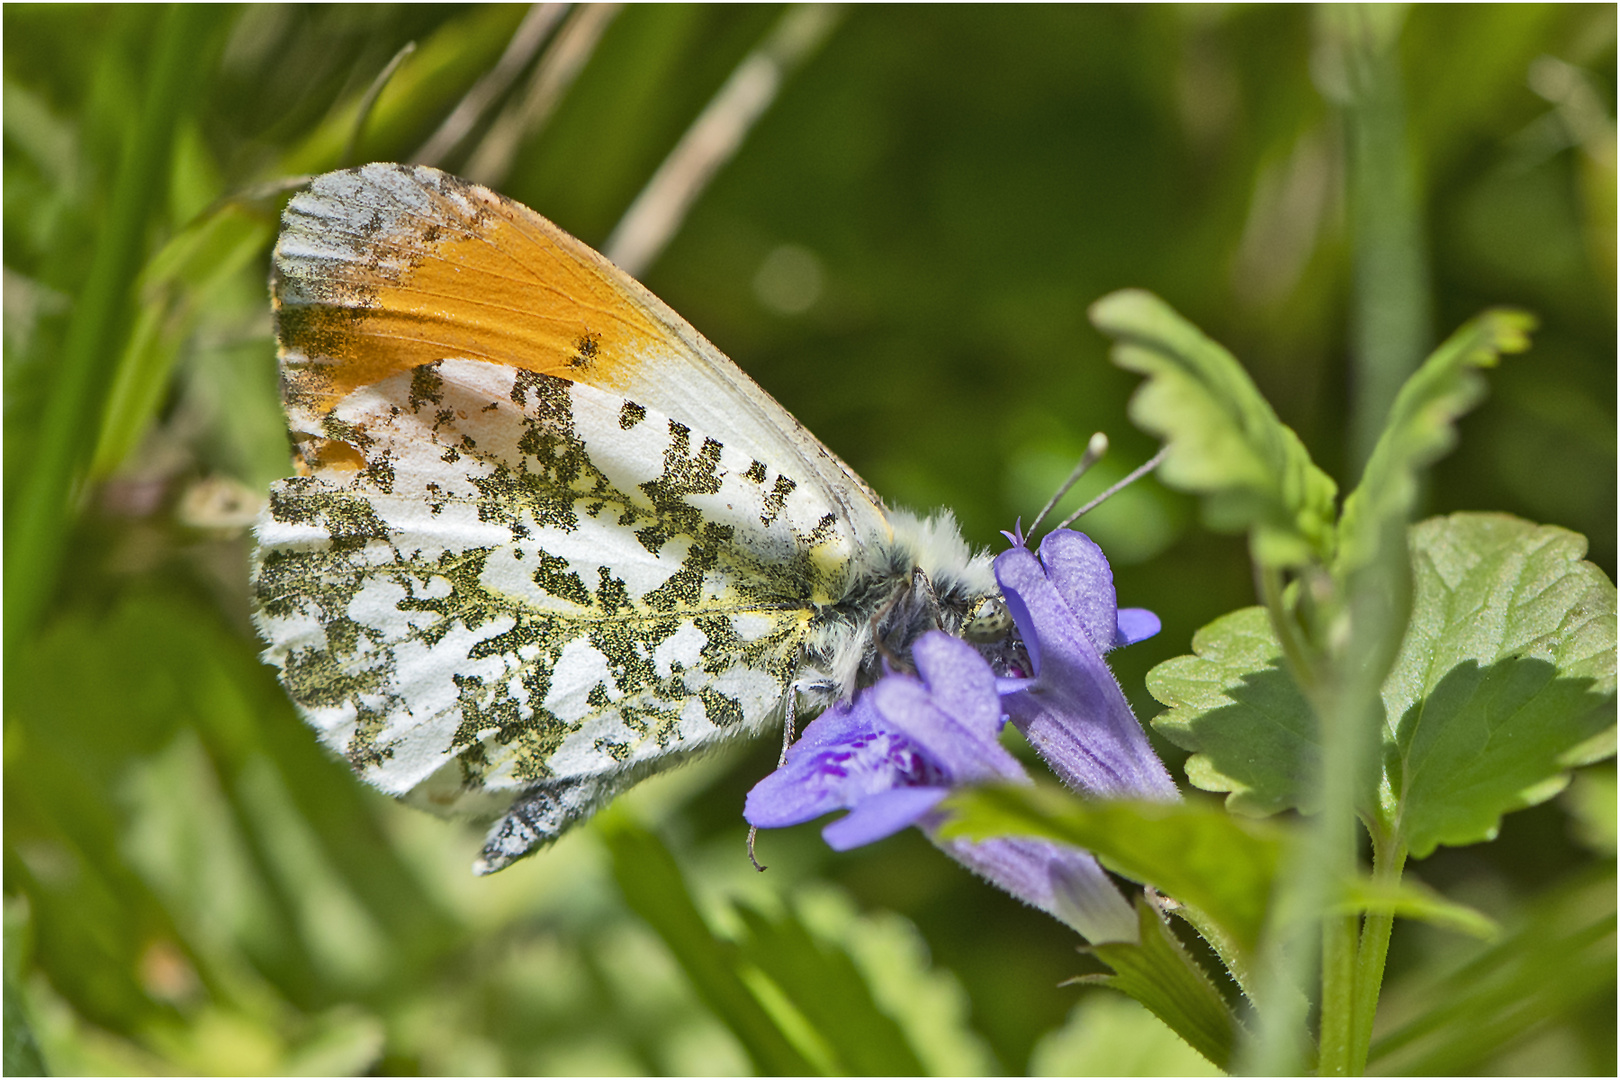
column 901, row 251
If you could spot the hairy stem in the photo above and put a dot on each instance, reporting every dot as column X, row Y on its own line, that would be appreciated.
column 1389, row 858
column 1390, row 313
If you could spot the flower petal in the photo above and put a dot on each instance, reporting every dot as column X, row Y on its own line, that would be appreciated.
column 1036, row 606
column 793, row 794
column 1135, row 624
column 1078, row 569
column 841, row 723
column 844, row 756
column 881, row 815
column 959, row 678
column 1062, row 881
column 1075, row 714
column 965, row 753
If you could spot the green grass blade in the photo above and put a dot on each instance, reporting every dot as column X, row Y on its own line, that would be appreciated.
column 654, row 889
column 1559, row 958
column 73, row 406
column 826, row 986
column 22, row 1056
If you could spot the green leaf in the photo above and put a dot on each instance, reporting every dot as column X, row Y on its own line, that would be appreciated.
column 1203, row 857
column 1160, row 974
column 1110, row 1035
column 826, row 986
column 1557, row 962
column 1411, row 899
column 654, row 888
column 22, row 1056
column 1224, row 441
column 1422, row 428
column 1234, row 705
column 1505, row 679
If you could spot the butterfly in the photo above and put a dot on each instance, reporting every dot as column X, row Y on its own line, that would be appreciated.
column 544, row 539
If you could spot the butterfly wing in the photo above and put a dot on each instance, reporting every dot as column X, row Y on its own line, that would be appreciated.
column 512, row 572
column 386, row 267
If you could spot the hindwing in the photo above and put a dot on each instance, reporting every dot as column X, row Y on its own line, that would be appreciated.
column 523, row 579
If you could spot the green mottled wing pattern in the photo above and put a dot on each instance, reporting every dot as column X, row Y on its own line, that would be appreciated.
column 527, row 586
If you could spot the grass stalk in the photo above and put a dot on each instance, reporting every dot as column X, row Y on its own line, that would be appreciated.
column 100, row 321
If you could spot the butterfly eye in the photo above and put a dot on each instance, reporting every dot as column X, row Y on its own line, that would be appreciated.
column 990, row 621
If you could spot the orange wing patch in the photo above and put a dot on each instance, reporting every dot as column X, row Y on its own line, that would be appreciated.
column 471, row 275
column 383, row 269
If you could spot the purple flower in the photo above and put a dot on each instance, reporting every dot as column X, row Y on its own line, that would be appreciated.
column 891, row 755
column 1072, row 709
column 903, row 744
column 848, row 759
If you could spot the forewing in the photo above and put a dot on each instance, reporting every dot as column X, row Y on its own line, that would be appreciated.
column 384, row 268
column 521, row 580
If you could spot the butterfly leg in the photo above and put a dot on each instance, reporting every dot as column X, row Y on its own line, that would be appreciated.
column 923, row 585
column 900, row 593
column 790, row 716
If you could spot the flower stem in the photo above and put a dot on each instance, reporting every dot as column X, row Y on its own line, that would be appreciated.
column 1389, row 857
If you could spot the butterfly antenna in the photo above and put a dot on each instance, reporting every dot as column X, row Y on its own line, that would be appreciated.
column 1096, row 448
column 1136, row 474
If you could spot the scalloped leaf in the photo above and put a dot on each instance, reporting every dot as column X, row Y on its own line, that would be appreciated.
column 1234, row 705
column 1421, row 429
column 1504, row 682
column 1224, row 441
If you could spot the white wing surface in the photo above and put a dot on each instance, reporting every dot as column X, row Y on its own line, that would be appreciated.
column 532, row 580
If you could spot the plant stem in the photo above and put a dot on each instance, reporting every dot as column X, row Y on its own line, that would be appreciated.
column 1389, row 857
column 1288, row 947
column 1391, row 313
column 1345, row 700
column 1295, row 652
column 1337, row 1053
